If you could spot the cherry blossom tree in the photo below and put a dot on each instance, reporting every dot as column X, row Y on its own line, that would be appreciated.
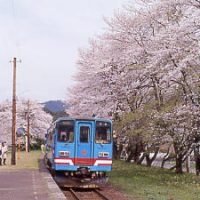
column 39, row 119
column 147, row 61
column 5, row 121
column 181, row 126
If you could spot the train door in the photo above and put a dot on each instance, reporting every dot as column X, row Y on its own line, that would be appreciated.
column 84, row 144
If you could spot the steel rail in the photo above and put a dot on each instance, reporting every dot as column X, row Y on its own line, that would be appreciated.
column 74, row 194
column 101, row 194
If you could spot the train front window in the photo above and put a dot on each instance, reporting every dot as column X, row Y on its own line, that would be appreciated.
column 103, row 133
column 66, row 133
column 84, row 134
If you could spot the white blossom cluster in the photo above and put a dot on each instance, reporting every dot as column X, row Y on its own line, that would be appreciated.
column 38, row 118
column 148, row 53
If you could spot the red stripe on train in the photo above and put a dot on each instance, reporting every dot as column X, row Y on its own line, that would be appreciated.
column 85, row 161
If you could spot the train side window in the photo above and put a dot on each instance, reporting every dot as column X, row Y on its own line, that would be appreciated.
column 63, row 136
column 84, row 134
column 66, row 134
column 103, row 133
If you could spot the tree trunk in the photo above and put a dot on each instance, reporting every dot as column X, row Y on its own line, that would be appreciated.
column 188, row 164
column 136, row 157
column 149, row 160
column 166, row 157
column 179, row 165
column 115, row 152
column 117, row 148
column 130, row 156
column 141, row 159
column 197, row 165
column 197, row 160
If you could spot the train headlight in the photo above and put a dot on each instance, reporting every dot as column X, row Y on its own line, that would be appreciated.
column 64, row 153
column 103, row 154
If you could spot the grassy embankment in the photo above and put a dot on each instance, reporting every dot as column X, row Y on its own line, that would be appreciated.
column 146, row 183
column 24, row 160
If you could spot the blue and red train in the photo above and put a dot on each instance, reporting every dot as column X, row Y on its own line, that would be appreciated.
column 80, row 147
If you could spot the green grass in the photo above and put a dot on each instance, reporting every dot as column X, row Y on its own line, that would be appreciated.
column 154, row 183
column 24, row 160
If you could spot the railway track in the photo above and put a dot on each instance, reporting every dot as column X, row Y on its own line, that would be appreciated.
column 73, row 189
column 89, row 194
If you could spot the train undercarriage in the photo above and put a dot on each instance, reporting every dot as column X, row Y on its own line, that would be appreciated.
column 82, row 178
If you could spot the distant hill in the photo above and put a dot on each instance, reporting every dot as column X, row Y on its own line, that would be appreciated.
column 55, row 106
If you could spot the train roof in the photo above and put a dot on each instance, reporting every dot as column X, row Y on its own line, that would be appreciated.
column 82, row 118
column 78, row 118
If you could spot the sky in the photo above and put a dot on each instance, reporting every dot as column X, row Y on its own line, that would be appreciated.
column 46, row 35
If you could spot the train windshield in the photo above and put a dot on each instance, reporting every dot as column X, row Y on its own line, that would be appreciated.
column 103, row 133
column 66, row 131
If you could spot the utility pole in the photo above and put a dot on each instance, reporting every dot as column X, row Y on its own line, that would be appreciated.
column 28, row 127
column 13, row 155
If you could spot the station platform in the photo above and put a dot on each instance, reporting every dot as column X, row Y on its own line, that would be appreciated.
column 29, row 185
